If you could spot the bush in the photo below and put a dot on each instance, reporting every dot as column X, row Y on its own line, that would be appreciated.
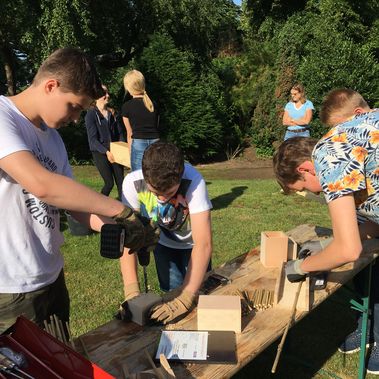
column 192, row 104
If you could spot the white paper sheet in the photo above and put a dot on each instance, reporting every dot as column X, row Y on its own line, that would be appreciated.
column 183, row 345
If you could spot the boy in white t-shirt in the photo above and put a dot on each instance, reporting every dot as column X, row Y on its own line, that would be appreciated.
column 173, row 194
column 36, row 180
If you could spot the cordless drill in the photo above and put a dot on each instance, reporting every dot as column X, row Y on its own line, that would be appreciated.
column 112, row 246
column 318, row 280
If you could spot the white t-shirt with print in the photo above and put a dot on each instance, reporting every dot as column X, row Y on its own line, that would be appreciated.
column 195, row 200
column 29, row 228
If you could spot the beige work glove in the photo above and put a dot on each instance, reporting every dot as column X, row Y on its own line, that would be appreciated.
column 171, row 295
column 170, row 310
column 130, row 291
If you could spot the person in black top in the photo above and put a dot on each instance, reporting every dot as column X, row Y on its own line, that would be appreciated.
column 102, row 129
column 140, row 118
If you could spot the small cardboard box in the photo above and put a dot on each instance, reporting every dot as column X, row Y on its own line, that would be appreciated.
column 47, row 357
column 121, row 153
column 276, row 248
column 219, row 313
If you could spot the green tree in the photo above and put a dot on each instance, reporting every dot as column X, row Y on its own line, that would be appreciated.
column 322, row 43
column 192, row 105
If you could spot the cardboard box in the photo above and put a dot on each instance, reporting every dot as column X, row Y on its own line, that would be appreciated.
column 121, row 153
column 47, row 357
column 219, row 313
column 276, row 248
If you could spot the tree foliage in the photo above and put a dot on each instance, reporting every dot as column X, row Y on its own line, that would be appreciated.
column 324, row 44
column 192, row 105
column 221, row 74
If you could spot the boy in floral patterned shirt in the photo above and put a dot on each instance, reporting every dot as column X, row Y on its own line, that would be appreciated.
column 344, row 165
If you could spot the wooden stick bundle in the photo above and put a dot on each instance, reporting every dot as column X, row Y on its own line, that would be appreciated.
column 59, row 330
column 259, row 299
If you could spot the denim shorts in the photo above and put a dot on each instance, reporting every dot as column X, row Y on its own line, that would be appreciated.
column 138, row 148
column 291, row 134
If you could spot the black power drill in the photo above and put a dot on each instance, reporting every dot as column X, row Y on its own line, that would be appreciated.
column 318, row 280
column 112, row 246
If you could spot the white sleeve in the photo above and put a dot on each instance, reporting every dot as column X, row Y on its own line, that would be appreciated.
column 11, row 138
column 129, row 192
column 197, row 194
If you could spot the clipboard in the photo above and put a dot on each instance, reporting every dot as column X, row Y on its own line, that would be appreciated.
column 220, row 347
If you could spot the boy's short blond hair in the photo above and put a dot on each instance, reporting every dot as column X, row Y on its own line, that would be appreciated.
column 74, row 70
column 339, row 104
column 289, row 156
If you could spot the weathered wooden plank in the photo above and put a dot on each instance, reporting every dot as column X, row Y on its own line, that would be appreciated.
column 118, row 342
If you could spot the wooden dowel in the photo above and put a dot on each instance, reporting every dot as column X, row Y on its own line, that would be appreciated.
column 265, row 299
column 271, row 298
column 257, row 297
column 63, row 331
column 261, row 293
column 52, row 326
column 84, row 347
column 156, row 371
column 47, row 328
column 59, row 332
column 70, row 335
column 166, row 366
column 292, row 316
column 253, row 297
column 125, row 371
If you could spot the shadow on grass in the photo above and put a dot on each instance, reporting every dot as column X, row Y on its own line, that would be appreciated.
column 224, row 200
column 309, row 344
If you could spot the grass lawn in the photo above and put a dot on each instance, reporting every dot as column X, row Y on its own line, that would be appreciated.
column 241, row 210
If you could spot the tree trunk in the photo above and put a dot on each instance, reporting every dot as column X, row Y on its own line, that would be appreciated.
column 7, row 55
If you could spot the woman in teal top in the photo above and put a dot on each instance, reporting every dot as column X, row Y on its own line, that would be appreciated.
column 297, row 113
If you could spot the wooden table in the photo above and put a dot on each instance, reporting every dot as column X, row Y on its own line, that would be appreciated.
column 118, row 342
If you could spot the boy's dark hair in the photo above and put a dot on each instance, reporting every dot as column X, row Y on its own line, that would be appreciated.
column 340, row 102
column 74, row 70
column 162, row 165
column 290, row 155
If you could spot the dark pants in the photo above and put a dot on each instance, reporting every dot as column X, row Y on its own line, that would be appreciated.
column 110, row 172
column 359, row 283
column 37, row 305
column 172, row 266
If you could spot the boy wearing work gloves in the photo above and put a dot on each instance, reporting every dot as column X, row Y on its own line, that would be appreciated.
column 173, row 195
column 36, row 181
column 344, row 164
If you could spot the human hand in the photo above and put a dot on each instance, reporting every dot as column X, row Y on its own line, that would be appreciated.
column 293, row 271
column 110, row 157
column 312, row 247
column 171, row 310
column 134, row 229
column 151, row 231
column 171, row 295
column 130, row 292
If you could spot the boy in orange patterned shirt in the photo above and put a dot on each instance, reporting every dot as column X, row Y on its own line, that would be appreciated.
column 344, row 165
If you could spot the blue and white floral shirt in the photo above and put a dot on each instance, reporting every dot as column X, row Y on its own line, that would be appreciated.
column 346, row 161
